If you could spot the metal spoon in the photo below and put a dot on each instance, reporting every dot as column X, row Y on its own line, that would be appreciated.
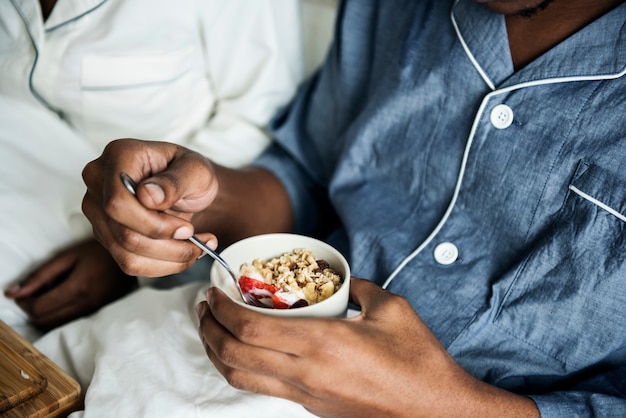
column 249, row 299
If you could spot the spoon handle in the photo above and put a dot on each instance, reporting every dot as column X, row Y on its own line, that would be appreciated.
column 211, row 253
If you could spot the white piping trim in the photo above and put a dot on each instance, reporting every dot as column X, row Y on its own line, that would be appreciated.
column 468, row 52
column 452, row 202
column 457, row 188
column 488, row 81
column 598, row 203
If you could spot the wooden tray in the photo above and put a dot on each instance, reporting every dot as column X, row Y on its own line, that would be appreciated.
column 31, row 385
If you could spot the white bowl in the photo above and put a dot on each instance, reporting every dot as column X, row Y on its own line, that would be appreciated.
column 271, row 245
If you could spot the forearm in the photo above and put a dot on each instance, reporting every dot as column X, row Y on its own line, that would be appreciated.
column 249, row 201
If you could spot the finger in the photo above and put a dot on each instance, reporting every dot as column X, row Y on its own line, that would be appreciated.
column 246, row 367
column 128, row 211
column 47, row 275
column 59, row 316
column 163, row 259
column 114, row 235
column 49, row 307
column 232, row 352
column 124, row 213
column 187, row 185
column 303, row 379
column 137, row 255
column 266, row 384
column 138, row 158
column 108, row 198
column 281, row 376
column 366, row 294
column 287, row 335
column 209, row 239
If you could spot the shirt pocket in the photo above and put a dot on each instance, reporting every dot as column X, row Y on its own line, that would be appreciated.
column 133, row 70
column 156, row 95
column 568, row 295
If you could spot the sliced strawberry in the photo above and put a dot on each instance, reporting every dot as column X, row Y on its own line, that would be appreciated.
column 270, row 295
column 278, row 302
column 287, row 300
column 258, row 289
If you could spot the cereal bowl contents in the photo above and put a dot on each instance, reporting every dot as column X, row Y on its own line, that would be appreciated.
column 294, row 274
column 291, row 280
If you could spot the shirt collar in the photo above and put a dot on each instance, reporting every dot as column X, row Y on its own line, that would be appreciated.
column 596, row 51
column 63, row 12
column 68, row 10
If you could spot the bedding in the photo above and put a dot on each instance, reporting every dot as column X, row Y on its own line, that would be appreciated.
column 141, row 357
column 40, row 195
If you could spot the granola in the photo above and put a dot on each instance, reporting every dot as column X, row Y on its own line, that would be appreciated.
column 298, row 276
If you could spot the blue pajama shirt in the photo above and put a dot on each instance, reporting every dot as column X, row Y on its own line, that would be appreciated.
column 493, row 200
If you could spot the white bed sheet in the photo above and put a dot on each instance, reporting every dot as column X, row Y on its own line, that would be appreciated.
column 141, row 357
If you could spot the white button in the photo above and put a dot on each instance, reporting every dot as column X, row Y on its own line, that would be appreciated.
column 446, row 253
column 501, row 116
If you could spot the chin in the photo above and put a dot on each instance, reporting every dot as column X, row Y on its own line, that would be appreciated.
column 514, row 7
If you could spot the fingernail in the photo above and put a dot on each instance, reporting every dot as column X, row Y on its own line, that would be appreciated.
column 212, row 244
column 156, row 192
column 184, row 232
column 200, row 308
column 12, row 290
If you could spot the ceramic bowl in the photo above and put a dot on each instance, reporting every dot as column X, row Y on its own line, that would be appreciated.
column 268, row 246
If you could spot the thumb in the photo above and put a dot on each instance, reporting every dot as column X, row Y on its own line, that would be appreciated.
column 366, row 294
column 187, row 185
